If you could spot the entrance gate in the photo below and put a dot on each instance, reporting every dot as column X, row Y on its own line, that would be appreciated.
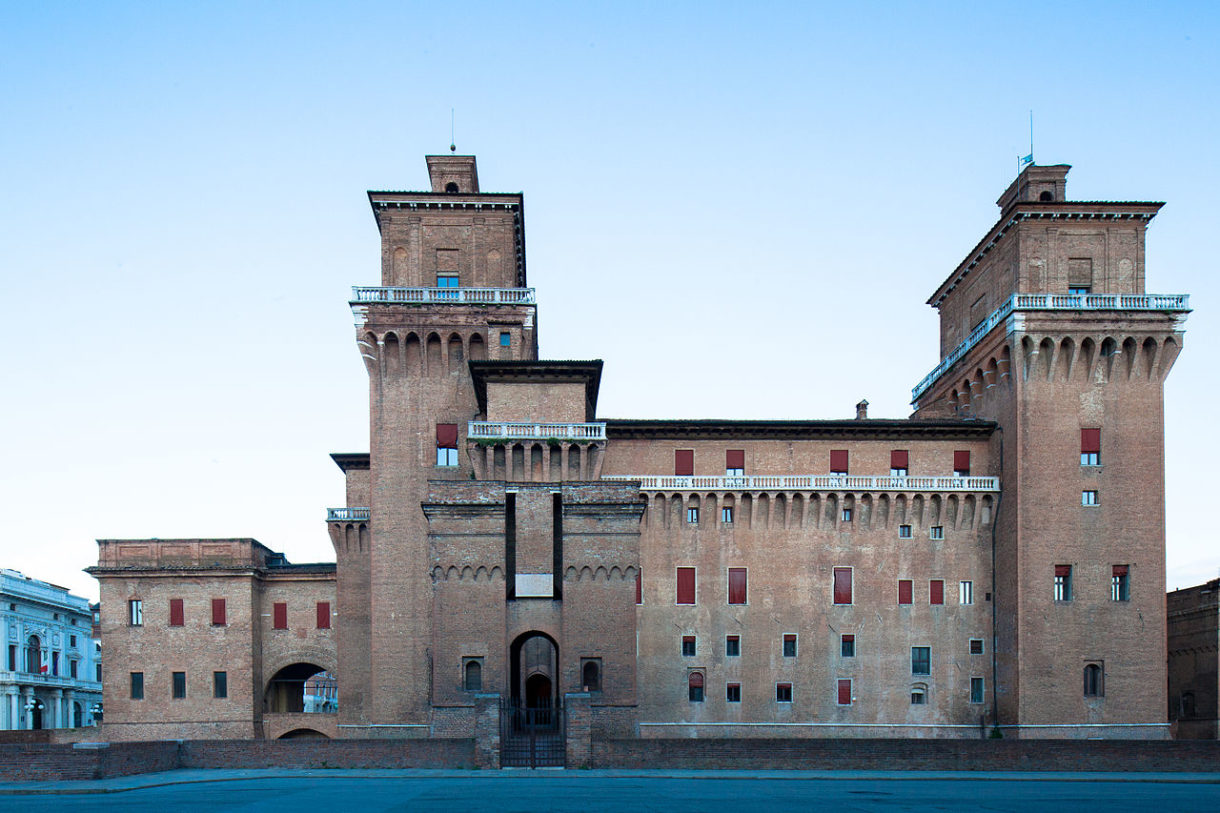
column 531, row 737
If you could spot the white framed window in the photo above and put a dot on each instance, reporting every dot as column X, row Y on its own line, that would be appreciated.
column 904, row 531
column 135, row 613
column 976, row 690
column 1088, row 497
column 965, row 592
column 936, row 532
column 976, row 646
column 1063, row 582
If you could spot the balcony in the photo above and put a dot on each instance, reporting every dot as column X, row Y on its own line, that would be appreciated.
column 811, row 482
column 502, row 431
column 347, row 514
column 443, row 296
column 1166, row 303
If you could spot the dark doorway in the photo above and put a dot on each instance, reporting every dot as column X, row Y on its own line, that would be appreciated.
column 286, row 690
column 538, row 692
column 534, row 659
column 36, row 715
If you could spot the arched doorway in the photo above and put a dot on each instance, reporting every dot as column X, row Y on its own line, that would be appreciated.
column 33, row 655
column 303, row 734
column 534, row 657
column 286, row 691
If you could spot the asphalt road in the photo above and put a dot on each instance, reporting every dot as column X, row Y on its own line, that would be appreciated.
column 581, row 793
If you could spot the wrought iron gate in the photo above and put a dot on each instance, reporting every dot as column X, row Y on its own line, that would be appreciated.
column 531, row 737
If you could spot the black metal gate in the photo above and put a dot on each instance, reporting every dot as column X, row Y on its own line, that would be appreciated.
column 531, row 737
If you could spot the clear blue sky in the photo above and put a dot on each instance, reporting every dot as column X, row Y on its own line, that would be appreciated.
column 740, row 207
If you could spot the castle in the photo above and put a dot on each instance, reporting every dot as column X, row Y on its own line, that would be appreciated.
column 995, row 561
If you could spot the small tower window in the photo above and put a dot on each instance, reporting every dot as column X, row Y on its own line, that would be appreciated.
column 452, row 188
column 591, row 675
column 1046, row 195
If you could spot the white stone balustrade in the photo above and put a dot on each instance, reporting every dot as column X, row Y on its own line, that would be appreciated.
column 443, row 296
column 347, row 514
column 512, row 430
column 810, row 482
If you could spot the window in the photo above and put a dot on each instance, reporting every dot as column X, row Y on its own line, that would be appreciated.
column 73, row 668
column 842, row 588
column 506, row 339
column 921, row 660
column 179, row 685
column 899, row 462
column 688, row 646
column 976, row 690
column 694, row 687
column 72, row 641
column 446, row 444
column 323, row 615
column 846, row 516
column 1093, row 680
column 684, row 462
column 735, row 463
column 961, row 464
column 218, row 612
column 919, row 695
column 692, row 516
column 789, row 644
column 447, row 280
column 838, row 461
column 1079, row 290
column 904, row 531
column 783, row 692
column 220, row 685
column 976, row 646
column 686, row 585
column 936, row 532
column 844, row 692
column 936, row 591
column 737, row 585
column 965, row 592
column 1090, row 447
column 135, row 612
column 591, row 674
column 472, row 674
column 137, row 685
column 176, row 613
column 98, row 667
column 733, row 693
column 280, row 615
column 847, row 646
column 726, row 515
column 12, row 657
column 639, row 587
column 1063, row 582
column 1088, row 497
column 906, row 592
column 732, row 645
column 55, row 664
column 1120, row 585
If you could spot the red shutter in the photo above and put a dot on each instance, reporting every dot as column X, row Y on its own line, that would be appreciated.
column 905, row 591
column 1063, row 570
column 842, row 585
column 936, row 593
column 737, row 585
column 280, row 620
column 176, row 616
column 961, row 462
column 898, row 459
column 735, row 459
column 1090, row 441
column 684, row 462
column 845, row 692
column 323, row 615
column 639, row 587
column 695, row 681
column 686, row 585
column 848, row 639
column 838, row 461
column 218, row 612
column 446, row 436
column 1120, row 570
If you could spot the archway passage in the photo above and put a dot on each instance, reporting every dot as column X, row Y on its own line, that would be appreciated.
column 303, row 734
column 534, row 659
column 538, row 692
column 286, row 691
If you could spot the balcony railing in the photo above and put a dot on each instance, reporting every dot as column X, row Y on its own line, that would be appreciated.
column 346, row 514
column 1169, row 303
column 810, row 482
column 444, row 296
column 492, row 430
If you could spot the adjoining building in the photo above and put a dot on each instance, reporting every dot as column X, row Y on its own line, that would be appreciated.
column 994, row 561
column 1194, row 660
column 53, row 668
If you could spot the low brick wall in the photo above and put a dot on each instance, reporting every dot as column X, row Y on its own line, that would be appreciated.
column 412, row 753
column 908, row 755
column 48, row 762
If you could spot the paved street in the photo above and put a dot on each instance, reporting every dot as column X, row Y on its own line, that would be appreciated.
column 589, row 792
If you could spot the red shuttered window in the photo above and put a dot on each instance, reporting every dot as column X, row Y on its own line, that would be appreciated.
column 446, row 435
column 684, row 462
column 905, row 592
column 323, row 615
column 838, row 461
column 842, row 585
column 961, row 463
column 1090, row 441
column 176, row 615
column 845, row 692
column 737, row 585
column 936, row 591
column 218, row 612
column 899, row 459
column 686, row 585
column 735, row 461
column 280, row 615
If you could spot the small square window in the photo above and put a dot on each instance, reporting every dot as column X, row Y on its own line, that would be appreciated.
column 783, row 692
column 732, row 646
column 726, row 515
column 904, row 531
column 179, row 685
column 692, row 516
column 688, row 646
column 976, row 690
column 1078, row 290
column 220, row 685
column 1090, row 459
column 789, row 645
column 1088, row 498
column 965, row 592
column 847, row 646
column 898, row 472
column 936, row 532
column 921, row 660
column 733, row 693
column 976, row 646
column 846, row 516
column 506, row 339
column 446, row 457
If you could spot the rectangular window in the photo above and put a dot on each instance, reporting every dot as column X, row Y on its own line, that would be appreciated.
column 323, row 615
column 1120, row 586
column 847, row 646
column 692, row 516
column 12, row 657
column 73, row 668
column 55, row 664
column 99, row 672
column 899, row 463
column 218, row 612
column 280, row 615
column 733, row 693
column 842, row 589
column 976, row 690
column 976, row 646
column 735, row 463
column 684, row 462
column 838, row 461
column 846, row 516
column 726, row 515
column 639, row 587
column 844, row 686
column 737, row 585
column 447, row 281
column 135, row 612
column 789, row 645
column 906, row 591
column 1090, row 447
column 783, row 692
column 936, row 532
column 904, row 531
column 179, row 685
column 686, row 585
column 921, row 660
column 694, row 687
column 1063, row 582
column 506, row 339
column 176, row 614
column 936, row 591
column 72, row 641
column 961, row 464
column 1088, row 498
column 220, row 685
column 688, row 646
column 137, row 685
column 1078, row 290
column 965, row 592
column 732, row 646
column 446, row 444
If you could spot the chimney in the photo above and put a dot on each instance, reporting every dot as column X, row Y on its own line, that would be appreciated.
column 862, row 410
